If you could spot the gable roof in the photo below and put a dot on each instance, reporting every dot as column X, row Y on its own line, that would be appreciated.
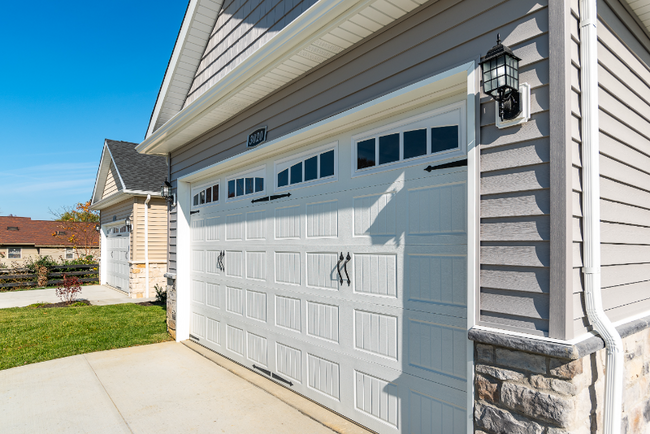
column 135, row 173
column 324, row 30
column 25, row 231
column 190, row 44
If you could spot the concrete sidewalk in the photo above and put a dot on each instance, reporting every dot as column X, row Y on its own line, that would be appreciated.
column 98, row 295
column 160, row 388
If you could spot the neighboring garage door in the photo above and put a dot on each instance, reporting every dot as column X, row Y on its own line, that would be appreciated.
column 118, row 259
column 270, row 288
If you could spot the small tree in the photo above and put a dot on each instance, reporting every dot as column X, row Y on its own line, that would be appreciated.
column 77, row 227
column 70, row 290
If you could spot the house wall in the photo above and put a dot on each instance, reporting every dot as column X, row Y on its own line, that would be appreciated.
column 111, row 185
column 26, row 253
column 624, row 99
column 157, row 215
column 242, row 27
column 515, row 202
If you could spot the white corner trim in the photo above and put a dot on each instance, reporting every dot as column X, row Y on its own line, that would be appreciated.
column 473, row 222
column 524, row 116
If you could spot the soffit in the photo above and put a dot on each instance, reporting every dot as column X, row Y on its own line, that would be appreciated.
column 323, row 31
column 642, row 10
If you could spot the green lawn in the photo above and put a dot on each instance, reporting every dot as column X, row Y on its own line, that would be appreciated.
column 30, row 335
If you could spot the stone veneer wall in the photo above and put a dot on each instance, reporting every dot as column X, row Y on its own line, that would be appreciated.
column 171, row 307
column 138, row 279
column 519, row 392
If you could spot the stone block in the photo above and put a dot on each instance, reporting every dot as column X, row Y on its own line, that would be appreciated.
column 484, row 353
column 564, row 387
column 135, row 271
column 498, row 421
column 538, row 405
column 141, row 265
column 500, row 373
column 487, row 390
column 565, row 369
column 520, row 360
column 540, row 382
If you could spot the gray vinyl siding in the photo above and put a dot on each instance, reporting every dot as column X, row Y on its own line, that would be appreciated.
column 624, row 99
column 242, row 27
column 515, row 204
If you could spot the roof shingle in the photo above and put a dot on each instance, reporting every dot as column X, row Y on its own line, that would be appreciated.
column 139, row 172
column 41, row 232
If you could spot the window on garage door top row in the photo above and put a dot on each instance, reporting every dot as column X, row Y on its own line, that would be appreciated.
column 243, row 185
column 319, row 165
column 436, row 135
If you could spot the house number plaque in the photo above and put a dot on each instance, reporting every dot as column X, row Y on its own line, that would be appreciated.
column 256, row 137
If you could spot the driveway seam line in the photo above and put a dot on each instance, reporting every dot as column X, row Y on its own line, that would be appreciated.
column 107, row 394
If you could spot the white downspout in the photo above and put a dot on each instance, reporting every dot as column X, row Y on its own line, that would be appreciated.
column 146, row 241
column 591, row 212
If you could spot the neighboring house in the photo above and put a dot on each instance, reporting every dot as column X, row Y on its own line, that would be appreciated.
column 389, row 248
column 133, row 219
column 23, row 239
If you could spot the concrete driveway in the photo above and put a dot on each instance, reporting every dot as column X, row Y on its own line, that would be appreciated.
column 98, row 295
column 160, row 388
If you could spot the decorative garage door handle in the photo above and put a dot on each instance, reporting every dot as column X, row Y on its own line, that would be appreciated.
column 220, row 264
column 345, row 267
column 112, row 253
column 338, row 269
column 126, row 255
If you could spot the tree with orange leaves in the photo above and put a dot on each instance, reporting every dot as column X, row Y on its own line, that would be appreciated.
column 78, row 227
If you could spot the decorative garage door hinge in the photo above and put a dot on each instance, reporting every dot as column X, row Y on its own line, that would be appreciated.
column 268, row 198
column 459, row 163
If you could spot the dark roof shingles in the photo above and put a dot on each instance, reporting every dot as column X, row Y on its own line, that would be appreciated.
column 138, row 171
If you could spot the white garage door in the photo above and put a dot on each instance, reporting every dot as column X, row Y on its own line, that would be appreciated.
column 118, row 259
column 352, row 289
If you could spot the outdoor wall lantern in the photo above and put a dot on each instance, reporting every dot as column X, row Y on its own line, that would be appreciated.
column 127, row 223
column 98, row 228
column 166, row 192
column 500, row 69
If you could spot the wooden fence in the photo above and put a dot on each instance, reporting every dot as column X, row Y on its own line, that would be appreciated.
column 24, row 278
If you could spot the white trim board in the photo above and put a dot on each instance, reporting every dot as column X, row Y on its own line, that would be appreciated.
column 303, row 45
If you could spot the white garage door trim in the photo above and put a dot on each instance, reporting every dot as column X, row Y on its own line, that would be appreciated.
column 464, row 77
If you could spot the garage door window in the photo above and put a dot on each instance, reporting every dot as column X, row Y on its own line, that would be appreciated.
column 205, row 195
column 306, row 168
column 436, row 134
column 246, row 184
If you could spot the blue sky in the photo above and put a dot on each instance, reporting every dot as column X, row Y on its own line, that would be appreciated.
column 73, row 74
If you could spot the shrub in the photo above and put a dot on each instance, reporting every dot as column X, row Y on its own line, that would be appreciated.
column 70, row 290
column 42, row 261
column 161, row 294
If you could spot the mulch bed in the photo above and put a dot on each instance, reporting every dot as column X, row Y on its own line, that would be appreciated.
column 62, row 304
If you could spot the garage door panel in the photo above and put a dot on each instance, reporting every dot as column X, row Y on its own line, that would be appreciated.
column 256, row 225
column 388, row 348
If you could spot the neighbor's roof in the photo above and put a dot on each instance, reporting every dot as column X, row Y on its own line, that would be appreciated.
column 138, row 172
column 25, row 231
column 134, row 174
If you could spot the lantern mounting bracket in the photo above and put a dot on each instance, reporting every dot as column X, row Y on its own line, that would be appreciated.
column 523, row 115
